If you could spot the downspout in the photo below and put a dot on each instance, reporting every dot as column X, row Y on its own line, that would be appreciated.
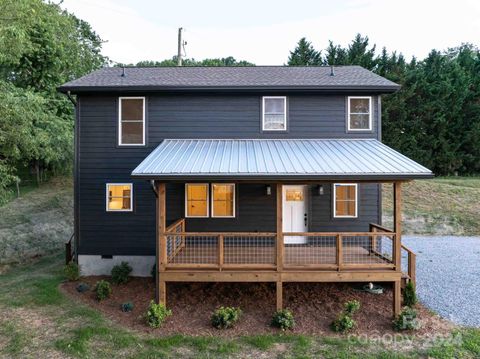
column 76, row 174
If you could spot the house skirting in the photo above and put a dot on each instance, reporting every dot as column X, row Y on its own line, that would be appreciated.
column 96, row 265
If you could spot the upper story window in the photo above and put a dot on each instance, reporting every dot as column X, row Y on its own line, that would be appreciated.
column 345, row 200
column 131, row 121
column 196, row 200
column 119, row 197
column 274, row 113
column 359, row 113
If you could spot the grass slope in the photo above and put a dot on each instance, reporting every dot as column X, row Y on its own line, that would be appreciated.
column 37, row 321
column 445, row 205
column 37, row 223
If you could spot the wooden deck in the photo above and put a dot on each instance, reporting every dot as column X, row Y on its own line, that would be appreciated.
column 371, row 256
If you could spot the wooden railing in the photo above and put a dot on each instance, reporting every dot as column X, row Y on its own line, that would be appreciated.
column 411, row 263
column 261, row 250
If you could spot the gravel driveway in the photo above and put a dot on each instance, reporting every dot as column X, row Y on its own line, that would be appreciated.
column 448, row 276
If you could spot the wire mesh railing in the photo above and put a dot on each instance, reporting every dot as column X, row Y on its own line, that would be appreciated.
column 249, row 249
column 371, row 249
column 262, row 250
column 309, row 250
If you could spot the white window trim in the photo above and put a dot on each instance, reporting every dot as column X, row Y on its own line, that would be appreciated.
column 107, row 196
column 186, row 200
column 335, row 199
column 284, row 113
column 211, row 200
column 120, row 99
column 370, row 100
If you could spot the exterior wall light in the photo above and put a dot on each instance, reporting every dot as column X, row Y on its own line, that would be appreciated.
column 320, row 190
column 269, row 190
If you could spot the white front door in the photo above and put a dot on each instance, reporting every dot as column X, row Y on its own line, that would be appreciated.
column 295, row 212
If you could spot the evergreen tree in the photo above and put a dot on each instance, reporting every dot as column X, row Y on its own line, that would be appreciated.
column 304, row 55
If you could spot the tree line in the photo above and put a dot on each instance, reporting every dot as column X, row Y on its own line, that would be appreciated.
column 41, row 47
column 435, row 117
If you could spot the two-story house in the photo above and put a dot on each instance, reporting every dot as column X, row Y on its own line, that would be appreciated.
column 237, row 174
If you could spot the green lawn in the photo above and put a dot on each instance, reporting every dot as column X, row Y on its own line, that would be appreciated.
column 37, row 223
column 37, row 321
column 444, row 205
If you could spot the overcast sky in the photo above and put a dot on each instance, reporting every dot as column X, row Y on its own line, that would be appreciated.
column 264, row 32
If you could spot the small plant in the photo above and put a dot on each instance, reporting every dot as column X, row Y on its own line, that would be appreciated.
column 225, row 317
column 103, row 290
column 283, row 319
column 351, row 307
column 72, row 271
column 409, row 295
column 344, row 321
column 82, row 287
column 120, row 273
column 126, row 307
column 406, row 320
column 156, row 314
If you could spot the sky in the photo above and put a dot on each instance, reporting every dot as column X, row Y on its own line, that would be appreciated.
column 264, row 31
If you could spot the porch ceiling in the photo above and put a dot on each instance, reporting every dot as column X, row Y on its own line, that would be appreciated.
column 277, row 159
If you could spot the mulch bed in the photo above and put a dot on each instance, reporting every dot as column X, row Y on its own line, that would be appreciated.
column 314, row 305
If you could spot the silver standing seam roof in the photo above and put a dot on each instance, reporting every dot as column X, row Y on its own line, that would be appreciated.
column 328, row 159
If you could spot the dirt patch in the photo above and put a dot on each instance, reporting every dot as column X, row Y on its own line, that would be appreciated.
column 314, row 305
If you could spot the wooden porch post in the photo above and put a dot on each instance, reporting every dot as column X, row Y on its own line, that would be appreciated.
column 279, row 244
column 397, row 298
column 397, row 248
column 161, row 244
column 397, row 222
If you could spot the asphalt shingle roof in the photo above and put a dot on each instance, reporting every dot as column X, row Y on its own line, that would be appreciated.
column 278, row 159
column 317, row 78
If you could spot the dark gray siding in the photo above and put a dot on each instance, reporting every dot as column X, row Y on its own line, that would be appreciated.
column 197, row 116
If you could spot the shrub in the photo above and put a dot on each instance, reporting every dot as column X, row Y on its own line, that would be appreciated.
column 225, row 317
column 406, row 320
column 351, row 307
column 120, row 273
column 72, row 271
column 126, row 307
column 103, row 290
column 409, row 295
column 343, row 323
column 82, row 287
column 156, row 314
column 283, row 319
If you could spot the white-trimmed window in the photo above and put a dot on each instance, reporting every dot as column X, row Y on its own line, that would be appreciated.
column 131, row 121
column 119, row 197
column 196, row 200
column 274, row 113
column 223, row 200
column 345, row 200
column 359, row 116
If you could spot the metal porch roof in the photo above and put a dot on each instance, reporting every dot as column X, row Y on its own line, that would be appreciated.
column 328, row 159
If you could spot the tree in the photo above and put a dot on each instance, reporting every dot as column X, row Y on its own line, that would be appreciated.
column 41, row 47
column 304, row 55
column 224, row 61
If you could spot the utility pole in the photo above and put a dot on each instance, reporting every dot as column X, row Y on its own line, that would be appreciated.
column 179, row 54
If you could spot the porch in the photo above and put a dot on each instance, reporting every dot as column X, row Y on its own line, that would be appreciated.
column 333, row 244
column 370, row 256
